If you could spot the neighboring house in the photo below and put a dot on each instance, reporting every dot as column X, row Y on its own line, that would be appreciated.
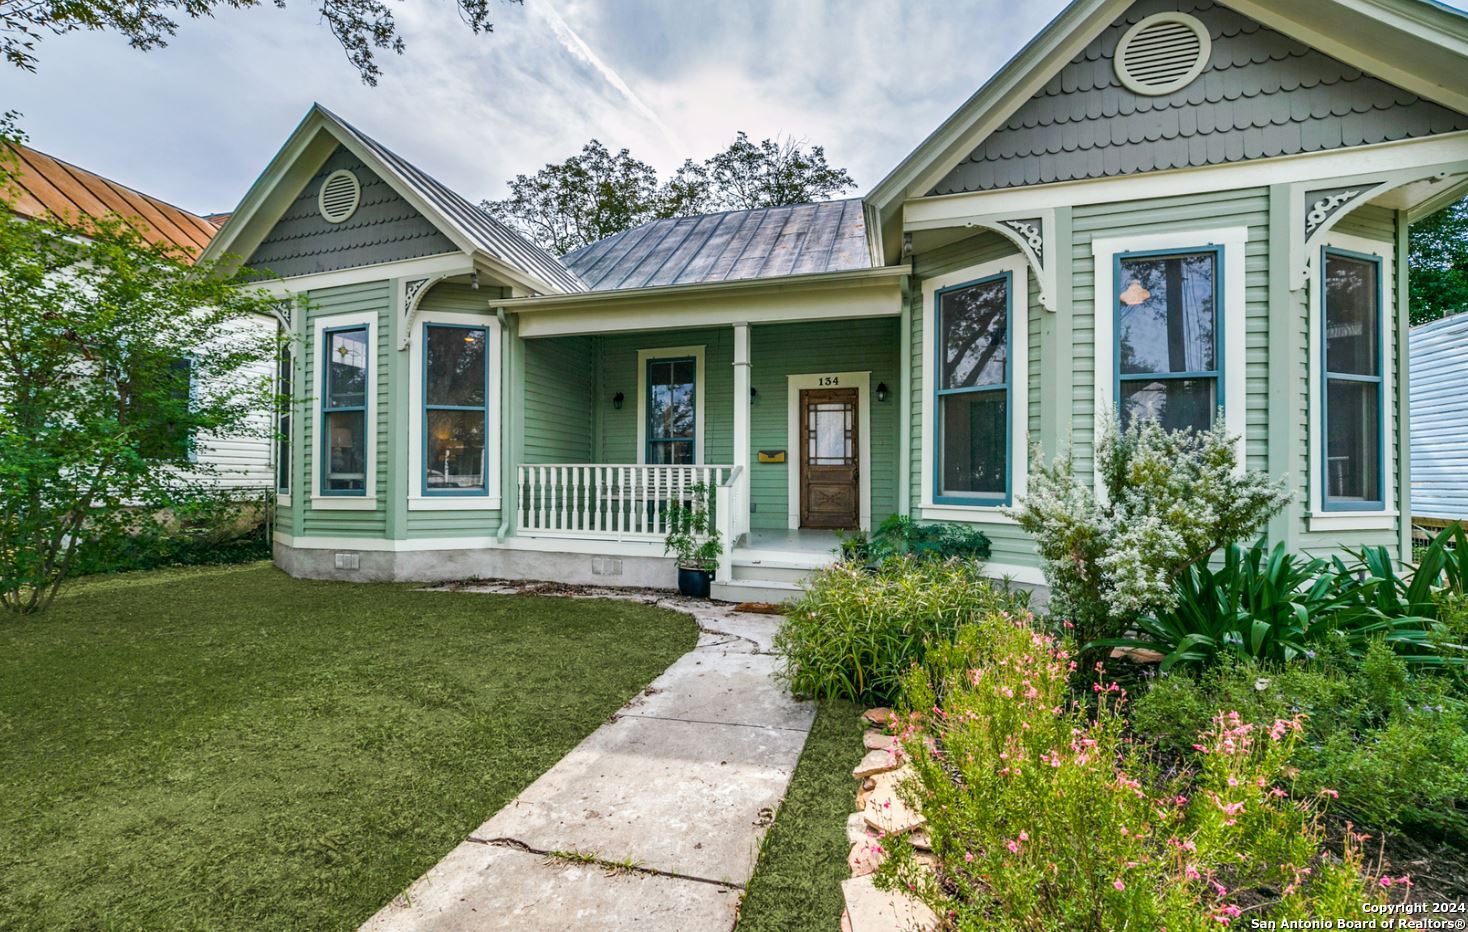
column 46, row 186
column 1186, row 206
column 1439, row 418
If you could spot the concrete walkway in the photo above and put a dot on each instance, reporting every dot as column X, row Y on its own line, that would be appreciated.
column 654, row 821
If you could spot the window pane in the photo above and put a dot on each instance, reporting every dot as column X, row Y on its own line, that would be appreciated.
column 1353, row 441
column 456, row 449
column 1351, row 326
column 1166, row 318
column 829, row 435
column 1177, row 404
column 346, row 451
column 671, row 453
column 283, row 455
column 346, row 374
column 974, row 320
column 455, row 367
column 974, row 442
column 670, row 403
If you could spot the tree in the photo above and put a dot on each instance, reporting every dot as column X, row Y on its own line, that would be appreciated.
column 115, row 356
column 1438, row 259
column 361, row 26
column 596, row 194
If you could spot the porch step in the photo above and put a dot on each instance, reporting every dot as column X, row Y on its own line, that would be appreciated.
column 771, row 570
column 773, row 591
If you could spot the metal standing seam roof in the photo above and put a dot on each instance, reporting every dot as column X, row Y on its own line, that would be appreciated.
column 738, row 245
column 487, row 234
column 46, row 186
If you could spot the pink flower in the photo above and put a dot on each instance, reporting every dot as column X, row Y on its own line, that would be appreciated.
column 1332, row 794
column 1013, row 846
column 968, row 856
column 1024, row 836
column 1191, row 872
column 1118, row 884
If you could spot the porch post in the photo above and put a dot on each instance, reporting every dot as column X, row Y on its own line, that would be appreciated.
column 740, row 523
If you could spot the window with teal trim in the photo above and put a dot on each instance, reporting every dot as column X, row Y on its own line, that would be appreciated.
column 1353, row 382
column 344, row 412
column 1167, row 338
column 283, row 376
column 671, row 410
column 973, row 404
column 455, row 409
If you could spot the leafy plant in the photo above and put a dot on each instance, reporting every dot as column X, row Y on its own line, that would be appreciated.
column 691, row 536
column 1172, row 498
column 1392, row 742
column 900, row 535
column 1276, row 606
column 854, row 633
column 1042, row 812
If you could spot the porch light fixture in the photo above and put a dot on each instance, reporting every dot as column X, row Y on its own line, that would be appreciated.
column 753, row 393
column 881, row 391
column 617, row 400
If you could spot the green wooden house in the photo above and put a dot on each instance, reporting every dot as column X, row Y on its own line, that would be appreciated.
column 1177, row 209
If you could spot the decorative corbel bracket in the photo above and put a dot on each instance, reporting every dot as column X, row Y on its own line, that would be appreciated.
column 284, row 313
column 1317, row 206
column 1034, row 233
column 413, row 291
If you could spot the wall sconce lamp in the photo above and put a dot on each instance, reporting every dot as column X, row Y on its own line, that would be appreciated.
column 617, row 400
column 881, row 391
column 753, row 394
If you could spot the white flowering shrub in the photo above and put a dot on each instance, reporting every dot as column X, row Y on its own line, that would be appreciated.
column 1170, row 499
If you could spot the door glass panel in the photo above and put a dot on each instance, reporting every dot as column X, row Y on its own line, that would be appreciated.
column 829, row 434
column 974, row 435
column 1177, row 404
column 1167, row 315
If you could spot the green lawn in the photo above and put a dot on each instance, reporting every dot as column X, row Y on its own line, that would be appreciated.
column 797, row 883
column 233, row 748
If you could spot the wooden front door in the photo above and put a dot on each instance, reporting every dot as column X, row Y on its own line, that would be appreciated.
column 830, row 490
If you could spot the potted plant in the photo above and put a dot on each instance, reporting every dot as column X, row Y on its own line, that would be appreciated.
column 694, row 543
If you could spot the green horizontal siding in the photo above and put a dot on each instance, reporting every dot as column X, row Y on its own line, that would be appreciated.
column 374, row 297
column 617, row 372
column 559, row 382
column 783, row 350
column 1010, row 544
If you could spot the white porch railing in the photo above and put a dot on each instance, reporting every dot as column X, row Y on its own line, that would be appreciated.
column 615, row 502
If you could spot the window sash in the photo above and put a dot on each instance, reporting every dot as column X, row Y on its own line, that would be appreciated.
column 1215, row 373
column 654, row 437
column 327, row 408
column 1329, row 502
column 941, row 497
column 285, row 377
column 483, row 409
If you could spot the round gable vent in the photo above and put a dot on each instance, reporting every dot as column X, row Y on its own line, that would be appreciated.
column 340, row 194
column 1162, row 53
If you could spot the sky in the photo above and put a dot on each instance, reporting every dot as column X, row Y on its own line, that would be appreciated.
column 196, row 122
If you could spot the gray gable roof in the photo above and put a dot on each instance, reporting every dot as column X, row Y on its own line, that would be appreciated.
column 767, row 242
column 1262, row 94
column 384, row 228
column 487, row 234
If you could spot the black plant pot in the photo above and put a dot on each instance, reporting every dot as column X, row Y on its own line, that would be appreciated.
column 694, row 583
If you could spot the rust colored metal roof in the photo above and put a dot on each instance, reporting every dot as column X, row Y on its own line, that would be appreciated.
column 47, row 186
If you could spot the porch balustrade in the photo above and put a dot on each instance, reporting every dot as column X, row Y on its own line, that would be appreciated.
column 617, row 502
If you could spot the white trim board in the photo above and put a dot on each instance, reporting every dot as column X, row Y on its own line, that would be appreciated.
column 794, row 384
column 1385, row 517
column 1019, row 390
column 1233, row 316
column 368, row 500
column 417, row 501
column 452, row 264
column 699, row 428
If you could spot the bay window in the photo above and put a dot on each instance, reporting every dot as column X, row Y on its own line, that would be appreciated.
column 344, row 411
column 455, row 409
column 1353, row 398
column 973, row 392
column 1168, row 365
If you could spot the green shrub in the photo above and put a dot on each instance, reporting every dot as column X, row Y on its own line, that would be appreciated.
column 1171, row 499
column 1394, row 744
column 204, row 528
column 855, row 632
column 1276, row 606
column 901, row 536
column 1042, row 814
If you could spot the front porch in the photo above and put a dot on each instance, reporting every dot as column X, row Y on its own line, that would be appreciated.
column 794, row 428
